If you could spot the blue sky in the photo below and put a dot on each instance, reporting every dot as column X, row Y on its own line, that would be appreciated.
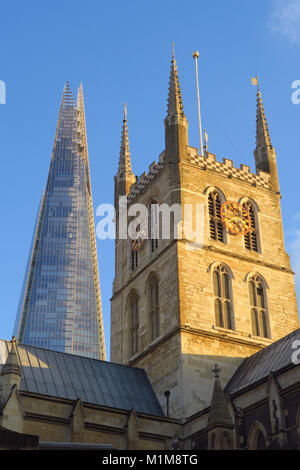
column 121, row 52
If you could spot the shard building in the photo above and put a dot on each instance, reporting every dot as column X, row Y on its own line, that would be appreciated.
column 60, row 304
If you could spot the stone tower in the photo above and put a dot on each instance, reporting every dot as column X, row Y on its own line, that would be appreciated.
column 178, row 307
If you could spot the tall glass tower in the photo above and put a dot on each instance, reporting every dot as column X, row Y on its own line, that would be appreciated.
column 60, row 305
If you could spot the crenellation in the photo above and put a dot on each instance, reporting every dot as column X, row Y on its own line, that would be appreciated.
column 152, row 166
column 226, row 168
column 227, row 162
column 245, row 168
column 161, row 156
column 146, row 178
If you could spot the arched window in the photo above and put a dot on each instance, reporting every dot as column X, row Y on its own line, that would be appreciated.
column 153, row 225
column 257, row 437
column 222, row 295
column 259, row 440
column 154, row 307
column 250, row 238
column 215, row 222
column 134, row 323
column 258, row 306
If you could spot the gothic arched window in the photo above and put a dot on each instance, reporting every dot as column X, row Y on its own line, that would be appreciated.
column 250, row 238
column 215, row 222
column 260, row 441
column 258, row 306
column 134, row 323
column 257, row 437
column 154, row 307
column 222, row 296
column 153, row 225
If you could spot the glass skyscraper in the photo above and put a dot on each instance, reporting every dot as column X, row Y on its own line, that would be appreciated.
column 60, row 304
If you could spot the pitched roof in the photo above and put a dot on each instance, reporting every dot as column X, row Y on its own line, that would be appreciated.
column 257, row 367
column 69, row 376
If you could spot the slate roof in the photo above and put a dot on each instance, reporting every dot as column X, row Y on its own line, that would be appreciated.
column 257, row 367
column 69, row 376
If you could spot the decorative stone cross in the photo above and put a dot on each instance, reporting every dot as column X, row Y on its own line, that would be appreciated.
column 216, row 371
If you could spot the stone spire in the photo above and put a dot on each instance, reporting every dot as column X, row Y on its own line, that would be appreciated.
column 11, row 372
column 264, row 153
column 175, row 106
column 176, row 124
column 220, row 425
column 124, row 160
column 263, row 141
column 219, row 413
column 125, row 177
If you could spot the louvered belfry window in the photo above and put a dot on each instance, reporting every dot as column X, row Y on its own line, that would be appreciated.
column 153, row 225
column 251, row 237
column 222, row 297
column 215, row 222
column 258, row 307
column 134, row 259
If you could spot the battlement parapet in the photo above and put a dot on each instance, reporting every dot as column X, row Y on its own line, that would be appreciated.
column 208, row 162
column 146, row 178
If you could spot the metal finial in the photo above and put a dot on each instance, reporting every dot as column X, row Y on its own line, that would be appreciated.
column 216, row 370
column 255, row 82
column 206, row 141
column 125, row 111
column 173, row 53
column 195, row 54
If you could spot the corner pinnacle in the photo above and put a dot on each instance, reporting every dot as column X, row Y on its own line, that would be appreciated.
column 175, row 105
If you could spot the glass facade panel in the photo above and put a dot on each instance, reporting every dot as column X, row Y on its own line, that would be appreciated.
column 60, row 305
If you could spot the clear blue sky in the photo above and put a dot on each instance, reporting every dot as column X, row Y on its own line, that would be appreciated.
column 121, row 52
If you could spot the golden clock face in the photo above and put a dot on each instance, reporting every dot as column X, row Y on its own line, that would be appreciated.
column 138, row 242
column 235, row 217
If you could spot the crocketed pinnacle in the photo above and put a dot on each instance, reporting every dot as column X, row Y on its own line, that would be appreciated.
column 12, row 365
column 124, row 161
column 219, row 412
column 175, row 105
column 262, row 131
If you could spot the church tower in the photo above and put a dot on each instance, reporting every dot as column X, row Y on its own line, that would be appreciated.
column 179, row 306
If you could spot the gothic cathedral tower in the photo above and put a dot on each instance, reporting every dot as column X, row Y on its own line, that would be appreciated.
column 178, row 308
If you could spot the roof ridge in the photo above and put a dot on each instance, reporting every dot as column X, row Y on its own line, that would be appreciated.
column 74, row 355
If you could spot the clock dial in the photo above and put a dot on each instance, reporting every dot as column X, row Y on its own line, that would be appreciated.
column 138, row 242
column 235, row 217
